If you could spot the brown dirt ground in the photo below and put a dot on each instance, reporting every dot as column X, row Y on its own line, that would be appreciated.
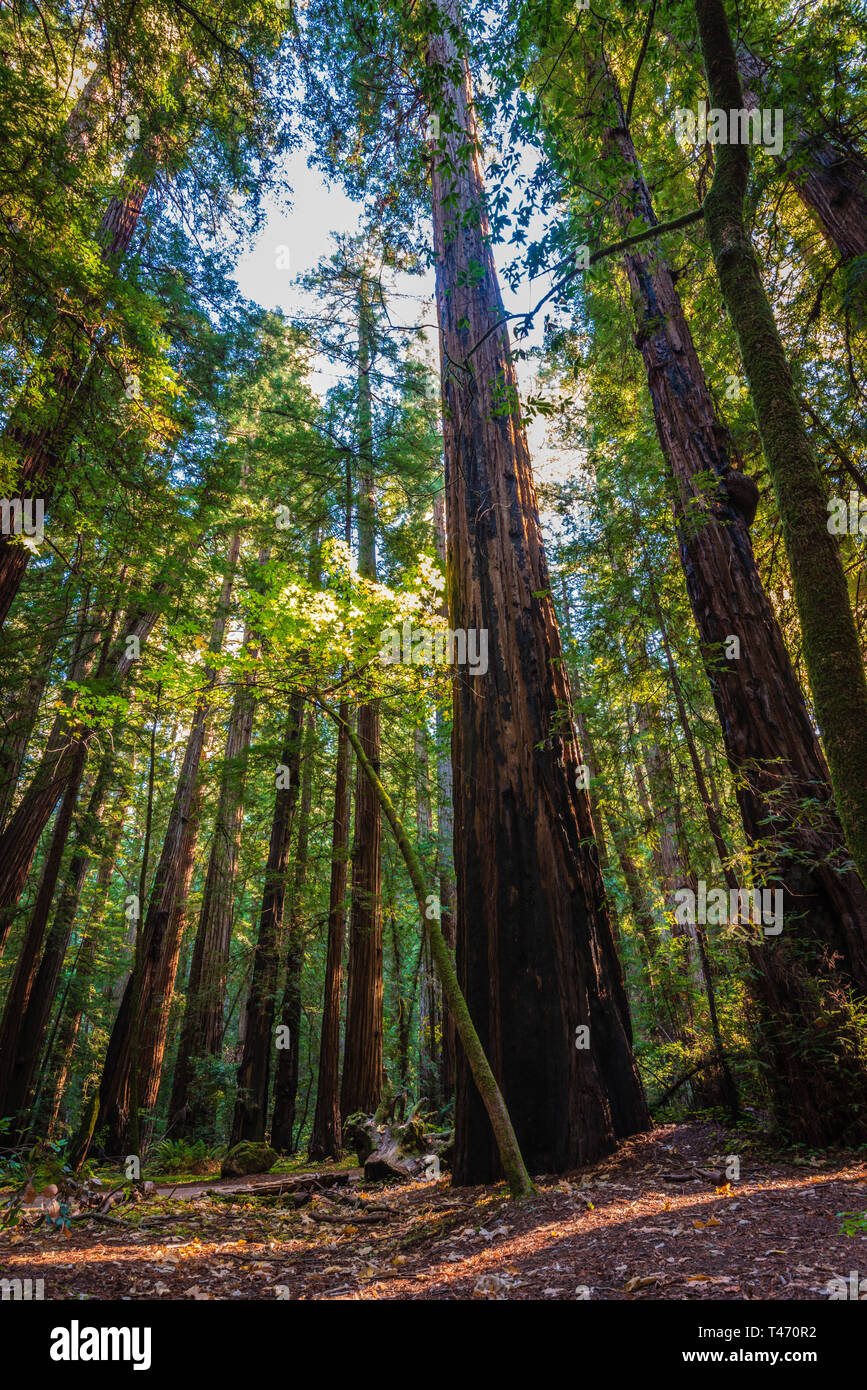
column 643, row 1225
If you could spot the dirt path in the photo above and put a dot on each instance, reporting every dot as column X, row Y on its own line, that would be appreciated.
column 656, row 1221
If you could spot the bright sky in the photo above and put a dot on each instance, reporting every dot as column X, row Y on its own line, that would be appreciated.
column 292, row 243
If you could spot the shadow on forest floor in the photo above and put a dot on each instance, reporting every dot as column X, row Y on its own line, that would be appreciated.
column 656, row 1220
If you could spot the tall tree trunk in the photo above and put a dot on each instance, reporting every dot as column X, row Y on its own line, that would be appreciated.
column 289, row 1058
column 445, row 829
column 21, row 836
column 254, row 1071
column 154, row 1033
column 536, row 957
column 830, row 641
column 59, row 1051
column 728, row 1089
column 203, row 1026
column 23, row 1035
column 711, row 804
column 769, row 739
column 430, row 1005
column 326, row 1139
column 361, row 1086
column 21, row 988
column 508, row 1149
column 156, row 941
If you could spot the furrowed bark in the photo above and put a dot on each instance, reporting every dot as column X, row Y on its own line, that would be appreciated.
column 535, row 951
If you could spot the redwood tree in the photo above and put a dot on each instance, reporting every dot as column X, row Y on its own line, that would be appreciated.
column 536, row 957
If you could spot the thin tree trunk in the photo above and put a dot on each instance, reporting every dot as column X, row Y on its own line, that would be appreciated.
column 430, row 1004
column 59, row 1054
column 254, row 1071
column 202, row 1028
column 21, row 836
column 326, row 1139
column 20, row 990
column 289, row 1058
column 156, row 943
column 24, row 1036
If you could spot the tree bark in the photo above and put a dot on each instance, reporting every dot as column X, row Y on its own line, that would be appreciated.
column 769, row 739
column 203, row 1024
column 59, row 1052
column 536, row 957
column 289, row 1058
column 24, row 1031
column 830, row 641
column 157, row 939
column 21, row 836
column 508, row 1149
column 326, row 1140
column 254, row 1071
column 445, row 829
column 361, row 1086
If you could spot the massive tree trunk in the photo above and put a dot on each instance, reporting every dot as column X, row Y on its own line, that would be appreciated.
column 430, row 1000
column 769, row 739
column 326, row 1139
column 154, row 1030
column 508, row 1149
column 254, row 1071
column 535, row 952
column 830, row 641
column 361, row 1086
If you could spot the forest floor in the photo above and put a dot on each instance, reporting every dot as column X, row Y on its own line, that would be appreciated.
column 656, row 1220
